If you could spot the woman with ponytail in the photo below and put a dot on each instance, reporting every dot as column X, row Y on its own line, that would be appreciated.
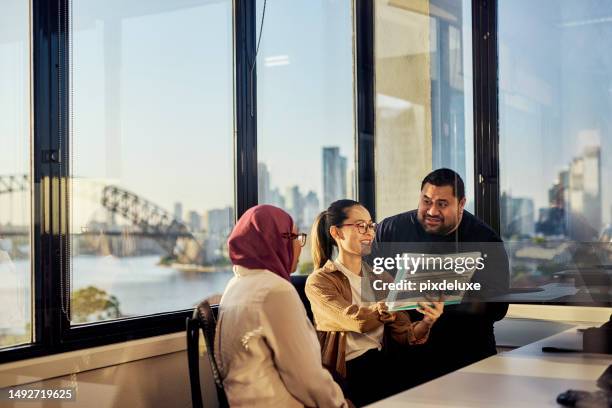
column 265, row 346
column 355, row 332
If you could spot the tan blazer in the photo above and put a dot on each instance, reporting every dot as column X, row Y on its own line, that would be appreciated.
column 329, row 293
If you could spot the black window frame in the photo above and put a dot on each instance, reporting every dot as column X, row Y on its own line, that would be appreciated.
column 51, row 326
column 50, row 151
column 486, row 112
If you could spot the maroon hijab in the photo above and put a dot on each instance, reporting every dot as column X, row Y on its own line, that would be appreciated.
column 257, row 242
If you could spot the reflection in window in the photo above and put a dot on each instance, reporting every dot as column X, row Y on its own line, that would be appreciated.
column 15, row 224
column 151, row 156
column 423, row 54
column 306, row 131
column 555, row 95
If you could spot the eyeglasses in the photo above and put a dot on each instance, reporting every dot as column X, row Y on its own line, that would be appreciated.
column 363, row 227
column 301, row 237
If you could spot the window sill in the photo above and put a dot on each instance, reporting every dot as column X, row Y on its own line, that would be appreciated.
column 560, row 313
column 57, row 365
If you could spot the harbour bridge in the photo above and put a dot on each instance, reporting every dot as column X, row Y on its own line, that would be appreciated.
column 151, row 220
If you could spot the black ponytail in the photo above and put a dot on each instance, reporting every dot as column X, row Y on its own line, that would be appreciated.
column 322, row 241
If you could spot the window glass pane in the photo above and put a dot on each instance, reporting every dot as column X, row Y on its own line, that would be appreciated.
column 15, row 248
column 423, row 60
column 151, row 155
column 555, row 100
column 305, row 120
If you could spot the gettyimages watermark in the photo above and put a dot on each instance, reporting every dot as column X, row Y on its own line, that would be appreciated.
column 403, row 274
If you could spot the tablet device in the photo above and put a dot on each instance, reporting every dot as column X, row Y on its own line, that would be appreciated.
column 431, row 277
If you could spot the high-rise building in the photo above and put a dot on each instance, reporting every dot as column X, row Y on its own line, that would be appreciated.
column 294, row 204
column 553, row 220
column 195, row 221
column 350, row 184
column 276, row 198
column 178, row 211
column 517, row 215
column 334, row 175
column 312, row 207
column 263, row 184
column 585, row 195
column 219, row 223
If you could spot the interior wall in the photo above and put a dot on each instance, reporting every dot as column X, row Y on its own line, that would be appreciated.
column 161, row 381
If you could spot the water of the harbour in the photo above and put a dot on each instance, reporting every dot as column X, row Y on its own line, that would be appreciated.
column 141, row 286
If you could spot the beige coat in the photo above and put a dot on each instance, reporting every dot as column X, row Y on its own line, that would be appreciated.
column 329, row 293
column 267, row 349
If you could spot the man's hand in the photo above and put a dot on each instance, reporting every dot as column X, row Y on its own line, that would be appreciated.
column 431, row 310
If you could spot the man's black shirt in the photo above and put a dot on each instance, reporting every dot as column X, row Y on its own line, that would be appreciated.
column 464, row 333
column 405, row 227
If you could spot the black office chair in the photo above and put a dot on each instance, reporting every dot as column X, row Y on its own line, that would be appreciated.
column 299, row 282
column 203, row 319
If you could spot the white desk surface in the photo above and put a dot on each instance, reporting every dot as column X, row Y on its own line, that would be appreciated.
column 524, row 377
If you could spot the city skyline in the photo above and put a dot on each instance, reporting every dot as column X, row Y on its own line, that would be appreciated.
column 574, row 207
column 305, row 204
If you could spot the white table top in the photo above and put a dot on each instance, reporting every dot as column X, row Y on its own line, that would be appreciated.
column 524, row 377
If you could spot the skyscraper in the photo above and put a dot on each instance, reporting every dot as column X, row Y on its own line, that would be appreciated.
column 585, row 195
column 517, row 216
column 219, row 223
column 263, row 184
column 311, row 209
column 178, row 211
column 350, row 184
column 334, row 175
column 195, row 221
column 294, row 202
column 276, row 198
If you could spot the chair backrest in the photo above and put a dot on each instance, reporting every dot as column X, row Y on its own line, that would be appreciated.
column 299, row 282
column 203, row 319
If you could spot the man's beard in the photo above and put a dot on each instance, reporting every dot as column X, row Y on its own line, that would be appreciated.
column 441, row 229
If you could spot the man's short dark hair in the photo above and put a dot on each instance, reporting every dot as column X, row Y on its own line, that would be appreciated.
column 446, row 177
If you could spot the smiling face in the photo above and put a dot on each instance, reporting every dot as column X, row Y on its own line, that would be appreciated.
column 439, row 211
column 348, row 237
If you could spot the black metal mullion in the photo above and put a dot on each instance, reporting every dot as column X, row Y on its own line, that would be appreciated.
column 61, row 170
column 364, row 26
column 486, row 116
column 47, row 173
column 245, row 28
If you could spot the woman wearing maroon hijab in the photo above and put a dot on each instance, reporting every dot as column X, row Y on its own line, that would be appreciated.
column 266, row 348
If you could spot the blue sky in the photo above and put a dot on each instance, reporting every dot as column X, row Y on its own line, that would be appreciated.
column 170, row 139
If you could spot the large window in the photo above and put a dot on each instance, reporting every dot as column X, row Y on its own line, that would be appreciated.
column 15, row 174
column 151, row 155
column 128, row 113
column 423, row 60
column 305, row 108
column 555, row 96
